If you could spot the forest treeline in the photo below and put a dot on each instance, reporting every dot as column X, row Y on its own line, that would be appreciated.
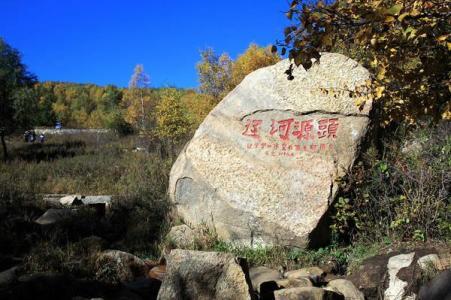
column 167, row 112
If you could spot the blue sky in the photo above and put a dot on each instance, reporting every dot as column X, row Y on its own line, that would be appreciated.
column 101, row 41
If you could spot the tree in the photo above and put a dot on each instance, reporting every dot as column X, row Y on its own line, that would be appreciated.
column 405, row 44
column 218, row 75
column 198, row 106
column 172, row 120
column 215, row 73
column 13, row 77
column 254, row 58
column 139, row 81
column 25, row 106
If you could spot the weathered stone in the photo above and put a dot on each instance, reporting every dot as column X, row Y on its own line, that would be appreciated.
column 346, row 288
column 204, row 275
column 305, row 272
column 268, row 288
column 181, row 236
column 428, row 261
column 262, row 167
column 370, row 276
column 55, row 215
column 8, row 276
column 71, row 200
column 260, row 275
column 295, row 282
column 97, row 200
column 438, row 288
column 306, row 293
column 118, row 266
column 397, row 287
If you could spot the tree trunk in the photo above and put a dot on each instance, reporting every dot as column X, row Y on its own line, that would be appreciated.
column 5, row 151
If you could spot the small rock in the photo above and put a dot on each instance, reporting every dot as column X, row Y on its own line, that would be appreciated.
column 427, row 261
column 158, row 272
column 8, row 276
column 71, row 200
column 294, row 282
column 411, row 147
column 205, row 275
column 55, row 215
column 117, row 266
column 396, row 287
column 346, row 288
column 305, row 272
column 260, row 275
column 370, row 276
column 182, row 236
column 268, row 288
column 95, row 200
column 307, row 293
column 438, row 288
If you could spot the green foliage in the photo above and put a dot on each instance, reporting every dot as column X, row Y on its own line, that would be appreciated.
column 25, row 107
column 118, row 123
column 345, row 218
column 405, row 45
column 340, row 259
column 13, row 77
column 172, row 118
column 404, row 194
column 254, row 58
column 198, row 106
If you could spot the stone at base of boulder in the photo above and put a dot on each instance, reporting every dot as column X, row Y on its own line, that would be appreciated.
column 8, row 276
column 294, row 282
column 428, row 261
column 438, row 288
column 260, row 275
column 117, row 266
column 346, row 288
column 205, row 275
column 306, row 293
column 304, row 272
column 55, row 215
column 397, row 288
column 181, row 236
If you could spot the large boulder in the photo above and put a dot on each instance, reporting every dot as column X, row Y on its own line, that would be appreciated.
column 204, row 275
column 262, row 167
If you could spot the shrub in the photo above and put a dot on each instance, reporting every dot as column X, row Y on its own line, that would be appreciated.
column 404, row 193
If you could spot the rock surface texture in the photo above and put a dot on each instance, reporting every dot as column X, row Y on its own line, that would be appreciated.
column 118, row 266
column 204, row 275
column 262, row 167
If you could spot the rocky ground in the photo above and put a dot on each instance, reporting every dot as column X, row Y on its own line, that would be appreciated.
column 189, row 274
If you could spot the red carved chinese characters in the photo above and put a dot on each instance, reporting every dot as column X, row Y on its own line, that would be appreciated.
column 327, row 128
column 303, row 130
column 288, row 129
column 283, row 127
column 252, row 128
